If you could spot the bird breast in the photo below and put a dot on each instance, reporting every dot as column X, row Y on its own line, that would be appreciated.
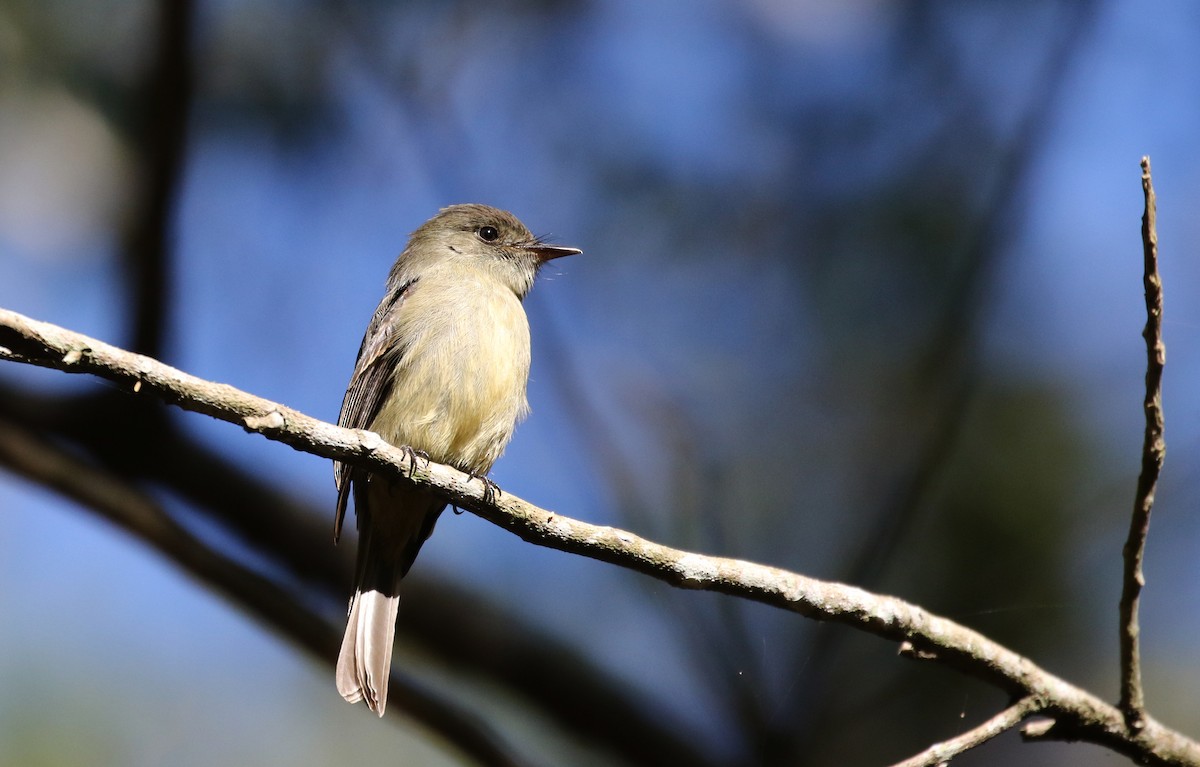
column 458, row 389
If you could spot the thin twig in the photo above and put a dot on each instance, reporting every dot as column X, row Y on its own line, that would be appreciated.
column 1154, row 449
column 1082, row 716
column 942, row 753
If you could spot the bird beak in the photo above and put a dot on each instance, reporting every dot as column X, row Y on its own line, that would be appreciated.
column 550, row 252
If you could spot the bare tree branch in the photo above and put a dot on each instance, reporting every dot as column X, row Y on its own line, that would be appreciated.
column 1078, row 714
column 1154, row 450
column 942, row 753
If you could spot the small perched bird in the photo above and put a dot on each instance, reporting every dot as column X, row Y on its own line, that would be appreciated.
column 442, row 370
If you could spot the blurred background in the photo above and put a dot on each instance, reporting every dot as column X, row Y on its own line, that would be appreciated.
column 861, row 297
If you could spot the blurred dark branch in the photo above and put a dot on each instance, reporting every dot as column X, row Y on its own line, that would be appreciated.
column 1154, row 450
column 477, row 636
column 33, row 458
column 1077, row 714
column 130, row 438
column 159, row 138
column 133, row 438
column 942, row 753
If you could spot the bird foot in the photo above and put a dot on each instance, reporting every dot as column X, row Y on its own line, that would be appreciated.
column 411, row 455
column 491, row 491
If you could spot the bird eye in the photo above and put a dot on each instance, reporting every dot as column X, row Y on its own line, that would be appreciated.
column 488, row 233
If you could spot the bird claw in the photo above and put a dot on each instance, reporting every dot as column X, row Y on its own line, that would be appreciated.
column 411, row 455
column 490, row 490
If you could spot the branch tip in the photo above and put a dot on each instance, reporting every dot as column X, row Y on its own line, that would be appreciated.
column 1132, row 703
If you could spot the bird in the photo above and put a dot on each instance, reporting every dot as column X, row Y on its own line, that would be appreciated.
column 441, row 372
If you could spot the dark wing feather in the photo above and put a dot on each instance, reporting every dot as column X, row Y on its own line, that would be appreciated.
column 372, row 380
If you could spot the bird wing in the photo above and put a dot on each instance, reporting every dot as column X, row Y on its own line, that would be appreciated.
column 378, row 357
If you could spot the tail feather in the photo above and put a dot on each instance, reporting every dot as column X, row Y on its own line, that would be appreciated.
column 393, row 521
column 364, row 663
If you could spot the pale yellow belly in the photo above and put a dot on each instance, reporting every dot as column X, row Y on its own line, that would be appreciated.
column 460, row 386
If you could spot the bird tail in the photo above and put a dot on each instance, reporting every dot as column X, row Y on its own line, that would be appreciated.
column 391, row 531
